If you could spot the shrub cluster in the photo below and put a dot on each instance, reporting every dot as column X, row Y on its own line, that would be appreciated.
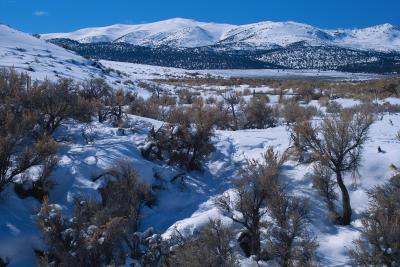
column 379, row 243
column 100, row 232
column 185, row 140
column 259, row 192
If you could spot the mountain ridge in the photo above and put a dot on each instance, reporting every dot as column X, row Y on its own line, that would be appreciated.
column 188, row 33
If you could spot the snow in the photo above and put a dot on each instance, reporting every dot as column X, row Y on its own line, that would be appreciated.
column 43, row 60
column 292, row 74
column 181, row 32
column 188, row 205
column 383, row 37
column 178, row 31
column 149, row 72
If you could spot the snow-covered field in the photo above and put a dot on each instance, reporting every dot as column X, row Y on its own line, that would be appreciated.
column 148, row 72
column 140, row 71
column 293, row 74
column 187, row 207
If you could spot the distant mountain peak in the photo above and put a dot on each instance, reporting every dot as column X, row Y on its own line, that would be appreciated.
column 183, row 33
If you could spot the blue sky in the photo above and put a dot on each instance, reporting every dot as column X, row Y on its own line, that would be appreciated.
column 41, row 16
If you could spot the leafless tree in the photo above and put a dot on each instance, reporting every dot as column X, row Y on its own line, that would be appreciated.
column 232, row 99
column 337, row 144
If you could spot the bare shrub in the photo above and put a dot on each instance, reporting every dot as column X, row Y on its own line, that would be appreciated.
column 337, row 144
column 323, row 101
column 379, row 243
column 308, row 93
column 99, row 231
column 43, row 152
column 292, row 112
column 151, row 250
column 258, row 114
column 299, row 147
column 186, row 140
column 232, row 99
column 333, row 107
column 221, row 117
column 209, row 247
column 24, row 145
column 291, row 242
column 149, row 108
column 98, row 92
column 54, row 102
column 260, row 191
column 253, row 190
column 19, row 151
column 325, row 184
column 186, row 96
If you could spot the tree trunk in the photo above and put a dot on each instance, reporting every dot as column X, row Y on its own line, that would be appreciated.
column 255, row 245
column 100, row 116
column 346, row 215
column 192, row 161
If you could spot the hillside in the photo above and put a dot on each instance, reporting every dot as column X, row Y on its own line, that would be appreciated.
column 41, row 59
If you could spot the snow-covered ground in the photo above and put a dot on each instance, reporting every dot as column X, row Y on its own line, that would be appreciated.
column 189, row 205
column 293, row 74
column 148, row 72
column 140, row 71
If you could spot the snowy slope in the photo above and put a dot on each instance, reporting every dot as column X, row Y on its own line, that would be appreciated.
column 41, row 59
column 189, row 33
column 266, row 34
column 381, row 37
column 177, row 32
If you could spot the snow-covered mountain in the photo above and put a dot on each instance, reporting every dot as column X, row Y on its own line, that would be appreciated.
column 184, row 33
column 175, row 32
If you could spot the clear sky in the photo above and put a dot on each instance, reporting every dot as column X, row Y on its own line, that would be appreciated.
column 41, row 16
